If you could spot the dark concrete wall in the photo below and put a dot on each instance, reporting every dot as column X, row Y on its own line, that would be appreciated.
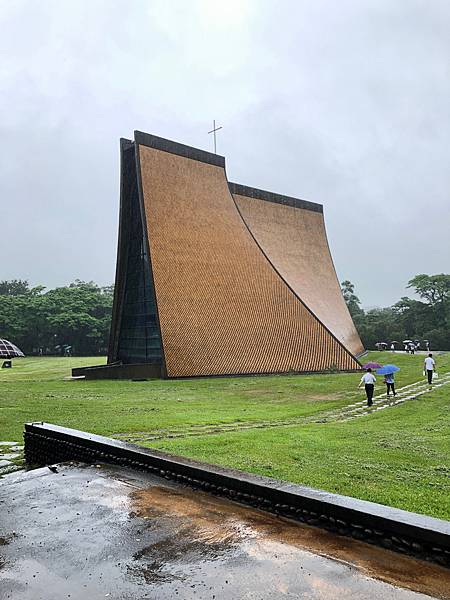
column 132, row 371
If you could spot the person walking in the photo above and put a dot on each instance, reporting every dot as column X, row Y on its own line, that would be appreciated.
column 389, row 381
column 368, row 380
column 430, row 367
column 392, row 348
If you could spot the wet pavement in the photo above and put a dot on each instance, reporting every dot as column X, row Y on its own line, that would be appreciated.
column 91, row 532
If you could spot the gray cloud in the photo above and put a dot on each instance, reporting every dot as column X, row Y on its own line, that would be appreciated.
column 341, row 103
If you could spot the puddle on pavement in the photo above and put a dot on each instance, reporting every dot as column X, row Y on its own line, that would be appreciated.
column 214, row 526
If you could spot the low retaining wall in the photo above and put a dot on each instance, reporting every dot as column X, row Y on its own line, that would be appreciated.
column 392, row 528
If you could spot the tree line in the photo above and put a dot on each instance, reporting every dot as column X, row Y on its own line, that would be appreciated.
column 78, row 316
column 72, row 319
column 425, row 319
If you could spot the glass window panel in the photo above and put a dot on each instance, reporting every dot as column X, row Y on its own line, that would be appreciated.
column 139, row 338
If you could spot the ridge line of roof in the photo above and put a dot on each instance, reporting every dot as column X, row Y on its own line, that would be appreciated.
column 251, row 192
column 159, row 143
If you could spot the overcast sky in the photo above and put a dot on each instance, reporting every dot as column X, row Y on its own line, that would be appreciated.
column 342, row 103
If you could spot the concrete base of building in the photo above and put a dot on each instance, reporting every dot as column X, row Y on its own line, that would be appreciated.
column 120, row 371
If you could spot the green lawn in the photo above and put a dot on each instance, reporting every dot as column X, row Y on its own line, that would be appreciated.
column 399, row 456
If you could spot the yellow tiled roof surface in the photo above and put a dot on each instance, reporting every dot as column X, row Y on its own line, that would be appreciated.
column 222, row 307
column 295, row 242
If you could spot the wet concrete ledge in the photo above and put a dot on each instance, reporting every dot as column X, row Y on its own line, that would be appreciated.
column 398, row 530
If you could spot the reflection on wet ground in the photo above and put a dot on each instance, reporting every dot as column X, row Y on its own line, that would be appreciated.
column 105, row 532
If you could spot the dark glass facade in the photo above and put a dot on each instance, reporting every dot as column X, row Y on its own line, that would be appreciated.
column 139, row 338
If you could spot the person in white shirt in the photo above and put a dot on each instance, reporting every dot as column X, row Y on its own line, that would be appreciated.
column 429, row 367
column 368, row 380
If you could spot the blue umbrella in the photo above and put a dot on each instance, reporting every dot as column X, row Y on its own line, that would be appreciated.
column 388, row 370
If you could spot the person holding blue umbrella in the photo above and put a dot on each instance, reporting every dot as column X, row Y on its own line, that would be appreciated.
column 389, row 381
column 388, row 372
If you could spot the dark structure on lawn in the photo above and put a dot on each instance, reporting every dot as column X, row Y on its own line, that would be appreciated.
column 216, row 278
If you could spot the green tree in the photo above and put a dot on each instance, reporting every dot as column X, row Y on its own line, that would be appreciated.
column 351, row 299
column 435, row 290
column 14, row 287
column 77, row 315
column 427, row 318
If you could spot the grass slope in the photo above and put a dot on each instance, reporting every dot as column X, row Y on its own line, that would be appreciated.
column 400, row 456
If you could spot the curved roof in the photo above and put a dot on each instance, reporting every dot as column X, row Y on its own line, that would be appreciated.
column 292, row 234
column 222, row 306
